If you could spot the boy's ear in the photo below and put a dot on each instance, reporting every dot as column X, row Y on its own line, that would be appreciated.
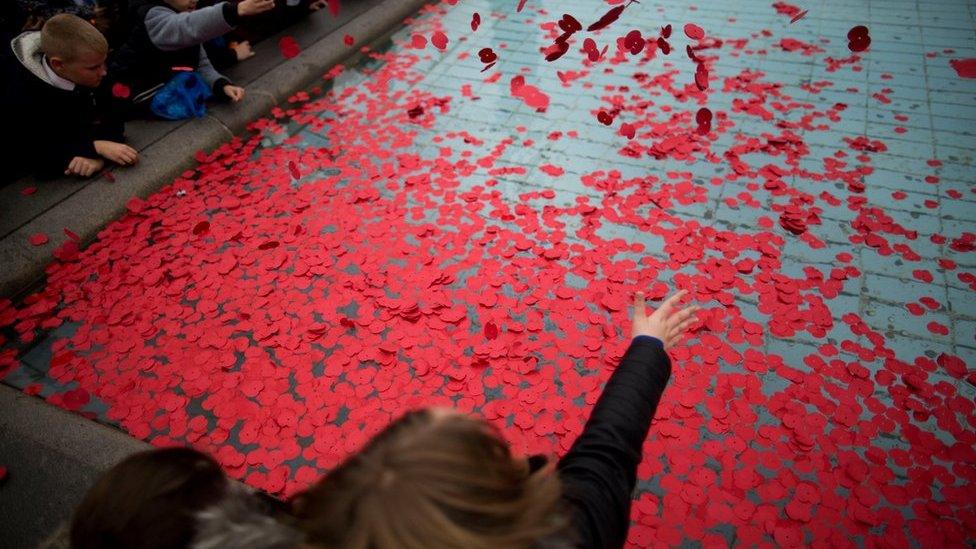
column 56, row 63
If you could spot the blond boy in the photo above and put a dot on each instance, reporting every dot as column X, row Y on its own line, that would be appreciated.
column 49, row 93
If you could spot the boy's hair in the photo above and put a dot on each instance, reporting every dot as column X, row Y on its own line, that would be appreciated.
column 432, row 481
column 148, row 500
column 65, row 36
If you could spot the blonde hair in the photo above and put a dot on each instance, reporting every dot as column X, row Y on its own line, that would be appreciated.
column 433, row 481
column 65, row 36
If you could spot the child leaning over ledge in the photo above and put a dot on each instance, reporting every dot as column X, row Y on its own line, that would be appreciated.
column 48, row 95
column 163, row 66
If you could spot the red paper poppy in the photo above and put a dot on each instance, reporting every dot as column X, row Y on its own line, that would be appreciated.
column 439, row 40
column 289, row 47
column 120, row 90
column 694, row 31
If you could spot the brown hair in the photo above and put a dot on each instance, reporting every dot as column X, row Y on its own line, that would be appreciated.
column 432, row 480
column 148, row 500
column 65, row 36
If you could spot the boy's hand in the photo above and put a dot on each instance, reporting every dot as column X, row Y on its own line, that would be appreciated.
column 317, row 5
column 254, row 7
column 234, row 93
column 84, row 167
column 242, row 50
column 664, row 324
column 120, row 153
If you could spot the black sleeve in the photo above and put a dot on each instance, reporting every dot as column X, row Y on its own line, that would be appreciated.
column 218, row 89
column 53, row 158
column 110, row 127
column 56, row 142
column 109, row 117
column 229, row 11
column 599, row 472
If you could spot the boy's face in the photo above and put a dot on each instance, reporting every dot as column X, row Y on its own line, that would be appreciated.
column 87, row 69
column 182, row 5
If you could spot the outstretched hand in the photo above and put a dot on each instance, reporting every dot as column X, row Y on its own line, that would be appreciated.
column 666, row 323
column 254, row 7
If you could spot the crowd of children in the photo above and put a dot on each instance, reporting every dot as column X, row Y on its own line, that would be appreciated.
column 433, row 478
column 74, row 71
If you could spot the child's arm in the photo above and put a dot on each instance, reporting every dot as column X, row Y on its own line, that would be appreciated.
column 169, row 30
column 71, row 154
column 120, row 153
column 84, row 167
column 600, row 470
column 56, row 153
column 214, row 79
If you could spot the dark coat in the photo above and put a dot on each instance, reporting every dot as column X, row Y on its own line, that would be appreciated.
column 49, row 125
